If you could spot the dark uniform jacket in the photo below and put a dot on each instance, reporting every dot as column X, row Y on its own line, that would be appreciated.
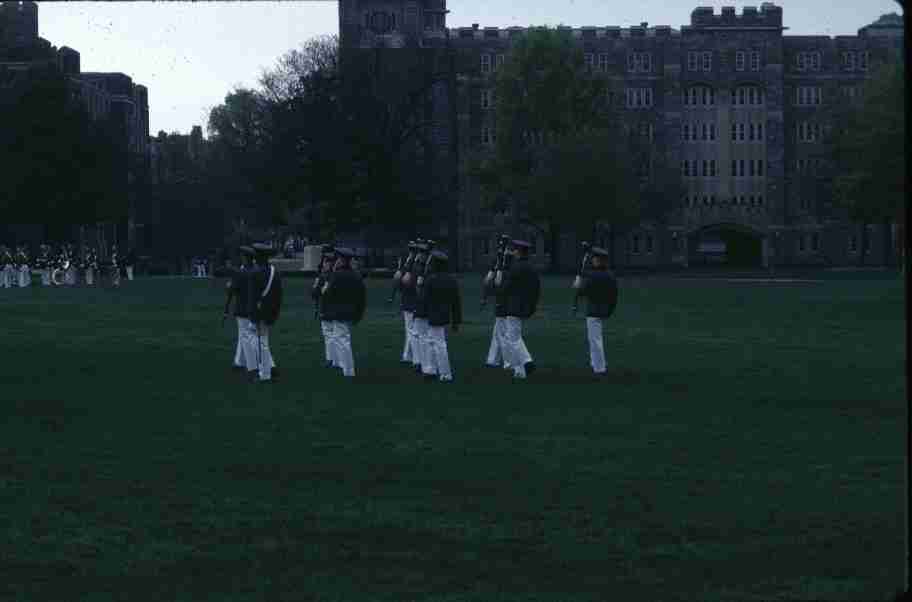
column 601, row 290
column 421, row 308
column 316, row 290
column 240, row 285
column 265, row 309
column 522, row 288
column 407, row 292
column 444, row 305
column 345, row 299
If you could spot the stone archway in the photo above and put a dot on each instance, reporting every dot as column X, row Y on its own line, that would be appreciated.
column 726, row 244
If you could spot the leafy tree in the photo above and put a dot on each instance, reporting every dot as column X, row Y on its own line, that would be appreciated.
column 60, row 167
column 557, row 159
column 868, row 150
column 284, row 81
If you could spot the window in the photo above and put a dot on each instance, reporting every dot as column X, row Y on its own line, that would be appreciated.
column 739, row 61
column 734, row 131
column 712, row 131
column 707, row 61
column 485, row 63
column 863, row 58
column 500, row 60
column 685, row 168
column 755, row 61
column 639, row 97
column 647, row 96
column 485, row 246
column 603, row 62
column 853, row 243
column 649, row 243
column 705, row 168
column 487, row 136
column 486, row 97
column 712, row 168
column 692, row 61
column 801, row 61
column 639, row 62
column 759, row 167
column 740, row 131
column 815, row 241
column 814, row 61
column 631, row 62
column 685, row 132
column 589, row 60
column 709, row 97
column 751, row 168
column 705, row 129
column 741, row 168
column 647, row 62
column 636, row 244
column 848, row 61
column 760, row 200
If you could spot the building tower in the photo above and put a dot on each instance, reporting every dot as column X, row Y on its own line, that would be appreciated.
column 392, row 23
column 18, row 24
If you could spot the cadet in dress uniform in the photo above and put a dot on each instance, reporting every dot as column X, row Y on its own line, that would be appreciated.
column 43, row 264
column 521, row 289
column 444, row 306
column 497, row 355
column 407, row 304
column 327, row 260
column 25, row 272
column 91, row 266
column 343, row 303
column 130, row 262
column 6, row 267
column 237, row 291
column 115, row 266
column 599, row 286
column 70, row 276
column 415, row 278
column 265, row 306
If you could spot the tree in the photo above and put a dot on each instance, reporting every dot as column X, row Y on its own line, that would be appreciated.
column 60, row 167
column 557, row 158
column 868, row 151
column 284, row 81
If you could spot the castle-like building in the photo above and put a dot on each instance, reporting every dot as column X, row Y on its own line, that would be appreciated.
column 736, row 106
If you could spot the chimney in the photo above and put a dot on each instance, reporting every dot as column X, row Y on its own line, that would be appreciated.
column 644, row 24
column 475, row 26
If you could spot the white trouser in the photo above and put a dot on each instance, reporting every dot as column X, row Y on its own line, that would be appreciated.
column 407, row 351
column 6, row 276
column 596, row 345
column 90, row 276
column 25, row 277
column 46, row 277
column 496, row 353
column 438, row 357
column 259, row 344
column 342, row 347
column 70, row 276
column 517, row 355
column 129, row 272
column 240, row 352
column 115, row 276
column 419, row 342
column 327, row 329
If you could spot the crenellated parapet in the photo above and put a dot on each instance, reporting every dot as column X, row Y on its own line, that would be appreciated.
column 769, row 16
column 589, row 32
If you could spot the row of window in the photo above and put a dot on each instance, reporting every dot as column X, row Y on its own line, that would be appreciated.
column 638, row 98
column 809, row 166
column 752, row 132
column 740, row 168
column 691, row 132
column 806, row 131
column 706, row 96
column 699, row 61
column 741, row 60
column 808, row 95
column 811, row 61
column 735, row 201
column 490, row 62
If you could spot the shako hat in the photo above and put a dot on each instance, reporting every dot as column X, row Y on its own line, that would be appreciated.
column 599, row 251
column 521, row 244
column 263, row 249
column 345, row 252
column 440, row 255
column 246, row 250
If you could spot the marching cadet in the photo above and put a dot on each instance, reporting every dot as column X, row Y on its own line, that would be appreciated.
column 521, row 289
column 6, row 267
column 265, row 294
column 70, row 275
column 419, row 322
column 25, row 273
column 444, row 308
column 343, row 302
column 115, row 267
column 130, row 262
column 497, row 356
column 237, row 291
column 600, row 288
column 407, row 304
column 327, row 260
column 43, row 263
column 91, row 266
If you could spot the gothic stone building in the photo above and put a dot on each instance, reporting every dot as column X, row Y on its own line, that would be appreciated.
column 737, row 104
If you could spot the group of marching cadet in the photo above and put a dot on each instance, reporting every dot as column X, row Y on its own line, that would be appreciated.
column 430, row 302
column 60, row 266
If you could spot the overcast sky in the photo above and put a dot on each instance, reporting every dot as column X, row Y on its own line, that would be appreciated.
column 190, row 55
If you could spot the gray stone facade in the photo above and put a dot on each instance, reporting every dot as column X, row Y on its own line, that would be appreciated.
column 739, row 105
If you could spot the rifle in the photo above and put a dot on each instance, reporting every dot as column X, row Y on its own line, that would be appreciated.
column 420, row 281
column 397, row 276
column 579, row 275
column 228, row 297
column 499, row 264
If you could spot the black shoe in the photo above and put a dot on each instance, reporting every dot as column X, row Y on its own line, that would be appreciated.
column 530, row 368
column 431, row 378
column 418, row 370
column 253, row 375
column 237, row 369
column 328, row 364
column 260, row 381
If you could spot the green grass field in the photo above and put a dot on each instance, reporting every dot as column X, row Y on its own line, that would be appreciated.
column 749, row 444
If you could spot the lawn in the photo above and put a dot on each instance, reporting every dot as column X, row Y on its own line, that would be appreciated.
column 749, row 444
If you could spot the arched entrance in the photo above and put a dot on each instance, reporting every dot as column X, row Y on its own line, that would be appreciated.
column 726, row 244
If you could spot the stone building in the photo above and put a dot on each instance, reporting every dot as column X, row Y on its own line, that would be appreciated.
column 732, row 100
column 104, row 95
